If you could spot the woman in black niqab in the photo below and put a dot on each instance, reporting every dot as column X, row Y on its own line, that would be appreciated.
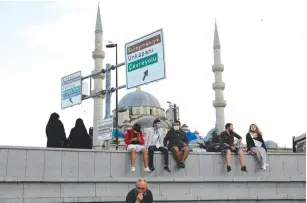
column 55, row 132
column 78, row 136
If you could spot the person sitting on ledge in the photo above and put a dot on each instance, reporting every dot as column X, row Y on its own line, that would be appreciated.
column 227, row 139
column 134, row 140
column 154, row 142
column 140, row 194
column 177, row 141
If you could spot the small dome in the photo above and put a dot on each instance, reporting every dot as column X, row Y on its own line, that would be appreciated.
column 148, row 122
column 138, row 98
column 270, row 144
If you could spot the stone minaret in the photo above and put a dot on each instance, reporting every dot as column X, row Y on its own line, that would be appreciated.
column 219, row 103
column 98, row 56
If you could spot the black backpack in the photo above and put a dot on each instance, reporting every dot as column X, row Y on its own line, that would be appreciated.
column 214, row 143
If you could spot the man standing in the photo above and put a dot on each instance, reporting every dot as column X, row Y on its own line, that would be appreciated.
column 140, row 194
column 134, row 139
column 177, row 141
column 154, row 142
column 227, row 139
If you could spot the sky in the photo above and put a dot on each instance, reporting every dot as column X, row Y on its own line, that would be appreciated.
column 263, row 49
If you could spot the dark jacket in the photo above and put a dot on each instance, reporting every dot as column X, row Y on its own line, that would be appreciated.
column 175, row 138
column 131, row 196
column 229, row 138
column 250, row 143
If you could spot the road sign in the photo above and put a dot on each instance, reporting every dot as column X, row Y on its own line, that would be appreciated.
column 105, row 128
column 144, row 59
column 71, row 90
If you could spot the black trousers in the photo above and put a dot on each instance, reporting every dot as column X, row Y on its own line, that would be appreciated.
column 152, row 149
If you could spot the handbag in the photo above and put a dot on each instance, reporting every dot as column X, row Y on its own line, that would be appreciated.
column 257, row 143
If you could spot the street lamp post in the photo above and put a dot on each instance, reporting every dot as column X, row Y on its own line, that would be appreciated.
column 174, row 106
column 112, row 45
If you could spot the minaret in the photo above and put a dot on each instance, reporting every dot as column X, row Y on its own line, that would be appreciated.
column 98, row 56
column 219, row 103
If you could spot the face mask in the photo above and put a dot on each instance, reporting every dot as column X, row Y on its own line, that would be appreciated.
column 135, row 132
column 158, row 126
column 176, row 127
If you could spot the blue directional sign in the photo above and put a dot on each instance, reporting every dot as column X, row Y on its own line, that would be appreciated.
column 71, row 90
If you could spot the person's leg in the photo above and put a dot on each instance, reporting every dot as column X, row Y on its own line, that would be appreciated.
column 256, row 152
column 166, row 161
column 228, row 159
column 186, row 152
column 241, row 154
column 151, row 150
column 176, row 153
column 262, row 153
column 142, row 149
column 133, row 155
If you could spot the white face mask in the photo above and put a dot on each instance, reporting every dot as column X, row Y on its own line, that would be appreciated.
column 176, row 127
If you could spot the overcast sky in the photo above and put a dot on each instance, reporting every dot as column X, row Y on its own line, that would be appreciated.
column 263, row 46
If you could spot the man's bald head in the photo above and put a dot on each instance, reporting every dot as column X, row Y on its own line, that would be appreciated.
column 141, row 185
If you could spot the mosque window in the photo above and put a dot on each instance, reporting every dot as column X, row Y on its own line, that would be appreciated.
column 150, row 112
column 130, row 111
column 138, row 111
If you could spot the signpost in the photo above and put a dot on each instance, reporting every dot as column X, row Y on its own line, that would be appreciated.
column 105, row 128
column 71, row 90
column 144, row 59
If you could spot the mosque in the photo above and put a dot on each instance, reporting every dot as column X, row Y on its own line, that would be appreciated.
column 143, row 108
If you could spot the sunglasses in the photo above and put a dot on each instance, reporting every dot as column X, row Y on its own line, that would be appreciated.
column 141, row 188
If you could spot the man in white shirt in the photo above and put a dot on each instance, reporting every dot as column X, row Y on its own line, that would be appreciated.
column 154, row 142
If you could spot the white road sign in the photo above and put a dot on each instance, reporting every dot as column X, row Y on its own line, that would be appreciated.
column 105, row 128
column 144, row 59
column 71, row 90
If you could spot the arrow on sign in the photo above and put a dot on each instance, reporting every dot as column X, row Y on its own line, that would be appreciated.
column 145, row 74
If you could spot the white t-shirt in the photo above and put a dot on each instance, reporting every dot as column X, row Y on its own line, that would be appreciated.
column 154, row 137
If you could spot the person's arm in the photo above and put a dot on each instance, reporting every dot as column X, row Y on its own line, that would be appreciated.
column 237, row 136
column 185, row 139
column 166, row 138
column 127, row 138
column 249, row 142
column 160, row 131
column 141, row 135
column 147, row 136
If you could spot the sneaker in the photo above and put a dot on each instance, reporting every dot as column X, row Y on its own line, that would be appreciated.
column 264, row 166
column 244, row 169
column 167, row 169
column 181, row 165
column 132, row 169
column 229, row 169
column 147, row 169
column 152, row 168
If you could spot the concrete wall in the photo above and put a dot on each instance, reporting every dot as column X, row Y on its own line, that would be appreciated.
column 62, row 175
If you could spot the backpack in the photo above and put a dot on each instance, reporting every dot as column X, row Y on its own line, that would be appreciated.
column 214, row 143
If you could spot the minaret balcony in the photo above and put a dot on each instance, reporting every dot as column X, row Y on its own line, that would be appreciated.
column 218, row 85
column 218, row 68
column 98, row 54
column 218, row 104
column 100, row 76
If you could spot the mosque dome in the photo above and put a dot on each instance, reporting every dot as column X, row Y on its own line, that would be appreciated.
column 148, row 122
column 138, row 98
column 270, row 144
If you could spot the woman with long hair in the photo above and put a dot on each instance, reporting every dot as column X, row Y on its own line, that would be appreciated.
column 255, row 144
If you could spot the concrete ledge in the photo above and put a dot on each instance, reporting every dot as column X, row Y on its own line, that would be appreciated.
column 229, row 179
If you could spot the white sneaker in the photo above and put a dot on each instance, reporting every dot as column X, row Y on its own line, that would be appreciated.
column 263, row 167
column 132, row 169
column 147, row 169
